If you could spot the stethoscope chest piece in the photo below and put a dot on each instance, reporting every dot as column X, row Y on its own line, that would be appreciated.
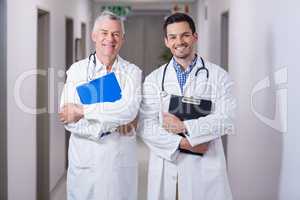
column 163, row 94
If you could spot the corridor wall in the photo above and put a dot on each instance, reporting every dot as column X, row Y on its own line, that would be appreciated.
column 289, row 28
column 255, row 153
column 209, row 28
column 263, row 34
column 21, row 60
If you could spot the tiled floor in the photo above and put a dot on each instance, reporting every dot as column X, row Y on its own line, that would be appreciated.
column 59, row 192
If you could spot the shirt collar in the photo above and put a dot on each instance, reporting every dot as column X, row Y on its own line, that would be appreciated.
column 100, row 66
column 178, row 68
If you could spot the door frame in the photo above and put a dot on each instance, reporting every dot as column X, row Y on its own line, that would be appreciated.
column 43, row 140
column 224, row 56
column 69, row 60
column 3, row 102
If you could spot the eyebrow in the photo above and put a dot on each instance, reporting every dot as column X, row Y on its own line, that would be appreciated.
column 173, row 34
column 104, row 30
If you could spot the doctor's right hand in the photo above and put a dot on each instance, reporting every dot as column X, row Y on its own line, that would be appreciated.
column 71, row 113
column 128, row 129
column 200, row 148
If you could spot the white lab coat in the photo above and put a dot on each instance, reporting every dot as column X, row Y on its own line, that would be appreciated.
column 199, row 178
column 103, row 168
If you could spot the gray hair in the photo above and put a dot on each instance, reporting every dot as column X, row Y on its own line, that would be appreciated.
column 108, row 15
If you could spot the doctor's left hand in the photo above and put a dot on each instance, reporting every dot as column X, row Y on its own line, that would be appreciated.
column 173, row 124
column 70, row 113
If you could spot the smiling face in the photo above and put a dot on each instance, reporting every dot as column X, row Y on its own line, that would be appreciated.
column 180, row 40
column 108, row 38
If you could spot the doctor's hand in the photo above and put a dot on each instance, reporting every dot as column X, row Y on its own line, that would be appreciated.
column 200, row 148
column 173, row 124
column 71, row 113
column 126, row 129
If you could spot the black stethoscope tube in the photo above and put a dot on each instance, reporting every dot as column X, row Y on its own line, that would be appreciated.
column 196, row 74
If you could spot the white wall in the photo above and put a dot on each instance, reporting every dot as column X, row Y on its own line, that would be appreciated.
column 209, row 30
column 22, row 43
column 255, row 153
column 261, row 158
column 289, row 27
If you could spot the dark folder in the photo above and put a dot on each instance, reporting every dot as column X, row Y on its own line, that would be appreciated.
column 186, row 108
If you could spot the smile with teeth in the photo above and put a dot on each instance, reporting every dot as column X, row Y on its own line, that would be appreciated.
column 109, row 45
column 180, row 48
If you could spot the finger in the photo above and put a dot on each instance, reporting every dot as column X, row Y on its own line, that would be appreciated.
column 62, row 112
column 166, row 115
column 61, row 109
column 61, row 118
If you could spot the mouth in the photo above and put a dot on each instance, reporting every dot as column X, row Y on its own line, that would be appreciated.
column 109, row 45
column 181, row 48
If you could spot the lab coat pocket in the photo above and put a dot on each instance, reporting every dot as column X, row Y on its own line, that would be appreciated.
column 81, row 152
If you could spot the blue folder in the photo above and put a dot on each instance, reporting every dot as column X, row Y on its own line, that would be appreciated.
column 100, row 90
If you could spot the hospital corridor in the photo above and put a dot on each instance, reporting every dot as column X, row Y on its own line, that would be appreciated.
column 255, row 41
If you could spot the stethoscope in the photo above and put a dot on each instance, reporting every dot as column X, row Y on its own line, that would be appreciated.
column 91, row 76
column 91, row 56
column 203, row 67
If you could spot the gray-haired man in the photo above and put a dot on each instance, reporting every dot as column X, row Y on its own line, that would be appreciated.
column 102, row 151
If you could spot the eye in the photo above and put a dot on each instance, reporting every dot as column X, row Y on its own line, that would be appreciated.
column 117, row 35
column 186, row 35
column 103, row 33
column 171, row 37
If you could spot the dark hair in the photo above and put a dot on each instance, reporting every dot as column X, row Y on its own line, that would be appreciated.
column 179, row 17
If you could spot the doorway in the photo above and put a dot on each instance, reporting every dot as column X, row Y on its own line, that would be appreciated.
column 3, row 95
column 144, row 46
column 224, row 39
column 83, row 40
column 42, row 118
column 224, row 56
column 69, row 61
column 144, row 41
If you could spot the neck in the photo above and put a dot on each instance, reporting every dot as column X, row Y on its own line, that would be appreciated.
column 185, row 62
column 108, row 61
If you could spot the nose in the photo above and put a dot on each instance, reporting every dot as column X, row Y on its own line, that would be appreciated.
column 179, row 40
column 110, row 37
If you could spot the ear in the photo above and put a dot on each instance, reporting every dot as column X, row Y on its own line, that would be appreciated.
column 94, row 36
column 166, row 42
column 123, row 39
column 196, row 36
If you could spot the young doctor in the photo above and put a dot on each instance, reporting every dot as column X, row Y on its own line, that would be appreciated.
column 102, row 149
column 174, row 174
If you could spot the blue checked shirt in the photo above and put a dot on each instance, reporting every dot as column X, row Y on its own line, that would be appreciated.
column 182, row 75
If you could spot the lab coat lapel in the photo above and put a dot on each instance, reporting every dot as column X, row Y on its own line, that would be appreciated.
column 120, row 70
column 171, row 82
column 195, row 82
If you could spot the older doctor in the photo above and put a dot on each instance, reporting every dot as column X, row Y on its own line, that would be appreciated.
column 102, row 150
column 172, row 173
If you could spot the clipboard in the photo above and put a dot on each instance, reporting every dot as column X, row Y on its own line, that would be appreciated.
column 186, row 108
column 103, row 89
